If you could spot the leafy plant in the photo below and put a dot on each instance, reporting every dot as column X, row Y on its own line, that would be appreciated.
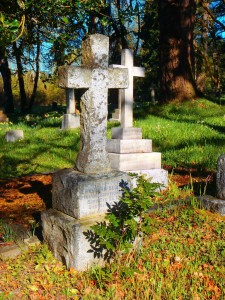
column 8, row 234
column 125, row 222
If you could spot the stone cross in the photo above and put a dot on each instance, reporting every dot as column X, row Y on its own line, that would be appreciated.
column 126, row 98
column 97, row 78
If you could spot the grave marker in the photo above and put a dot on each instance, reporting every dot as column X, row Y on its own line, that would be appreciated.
column 80, row 196
column 70, row 119
column 126, row 97
column 97, row 78
column 217, row 203
column 127, row 150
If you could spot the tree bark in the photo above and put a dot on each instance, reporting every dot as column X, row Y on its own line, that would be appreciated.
column 37, row 72
column 7, row 84
column 176, row 19
column 23, row 96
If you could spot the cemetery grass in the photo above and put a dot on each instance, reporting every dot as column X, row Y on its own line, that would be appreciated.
column 182, row 257
column 184, row 253
column 190, row 135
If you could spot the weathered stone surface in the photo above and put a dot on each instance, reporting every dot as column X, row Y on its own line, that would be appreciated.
column 14, row 135
column 10, row 251
column 70, row 101
column 129, row 146
column 126, row 98
column 135, row 161
column 220, row 178
column 15, row 249
column 64, row 236
column 130, row 133
column 94, row 75
column 156, row 176
column 70, row 121
column 80, row 195
column 213, row 204
column 116, row 115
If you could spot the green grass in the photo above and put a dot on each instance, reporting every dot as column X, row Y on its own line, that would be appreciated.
column 183, row 257
column 44, row 148
column 191, row 134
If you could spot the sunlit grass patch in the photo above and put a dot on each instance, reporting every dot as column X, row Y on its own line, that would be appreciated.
column 191, row 134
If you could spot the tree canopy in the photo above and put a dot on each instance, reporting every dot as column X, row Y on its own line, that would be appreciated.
column 180, row 43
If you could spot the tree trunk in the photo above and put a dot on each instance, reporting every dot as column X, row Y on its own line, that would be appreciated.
column 6, row 76
column 37, row 72
column 23, row 96
column 176, row 20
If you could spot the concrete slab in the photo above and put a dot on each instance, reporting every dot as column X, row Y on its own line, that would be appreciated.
column 65, row 237
column 15, row 249
column 129, row 146
column 155, row 175
column 213, row 204
column 135, row 161
column 128, row 133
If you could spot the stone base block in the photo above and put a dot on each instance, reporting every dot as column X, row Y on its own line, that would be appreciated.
column 135, row 161
column 130, row 133
column 70, row 121
column 80, row 195
column 156, row 176
column 213, row 204
column 64, row 236
column 129, row 146
column 14, row 135
column 116, row 115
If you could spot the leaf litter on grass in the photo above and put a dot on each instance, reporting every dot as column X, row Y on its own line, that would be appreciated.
column 182, row 258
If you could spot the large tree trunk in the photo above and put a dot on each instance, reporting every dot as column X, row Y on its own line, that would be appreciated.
column 23, row 96
column 176, row 20
column 6, row 76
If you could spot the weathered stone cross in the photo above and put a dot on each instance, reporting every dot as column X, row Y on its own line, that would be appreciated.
column 97, row 78
column 126, row 98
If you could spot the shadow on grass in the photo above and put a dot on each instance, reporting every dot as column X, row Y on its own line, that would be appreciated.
column 13, row 164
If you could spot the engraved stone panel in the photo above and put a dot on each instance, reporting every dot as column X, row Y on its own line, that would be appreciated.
column 81, row 195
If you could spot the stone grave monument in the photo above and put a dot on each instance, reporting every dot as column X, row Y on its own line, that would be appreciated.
column 14, row 135
column 217, row 204
column 80, row 195
column 127, row 61
column 127, row 150
column 71, row 119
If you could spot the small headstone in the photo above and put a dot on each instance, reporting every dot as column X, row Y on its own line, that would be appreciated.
column 14, row 135
column 70, row 101
column 70, row 121
column 220, row 177
column 212, row 203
